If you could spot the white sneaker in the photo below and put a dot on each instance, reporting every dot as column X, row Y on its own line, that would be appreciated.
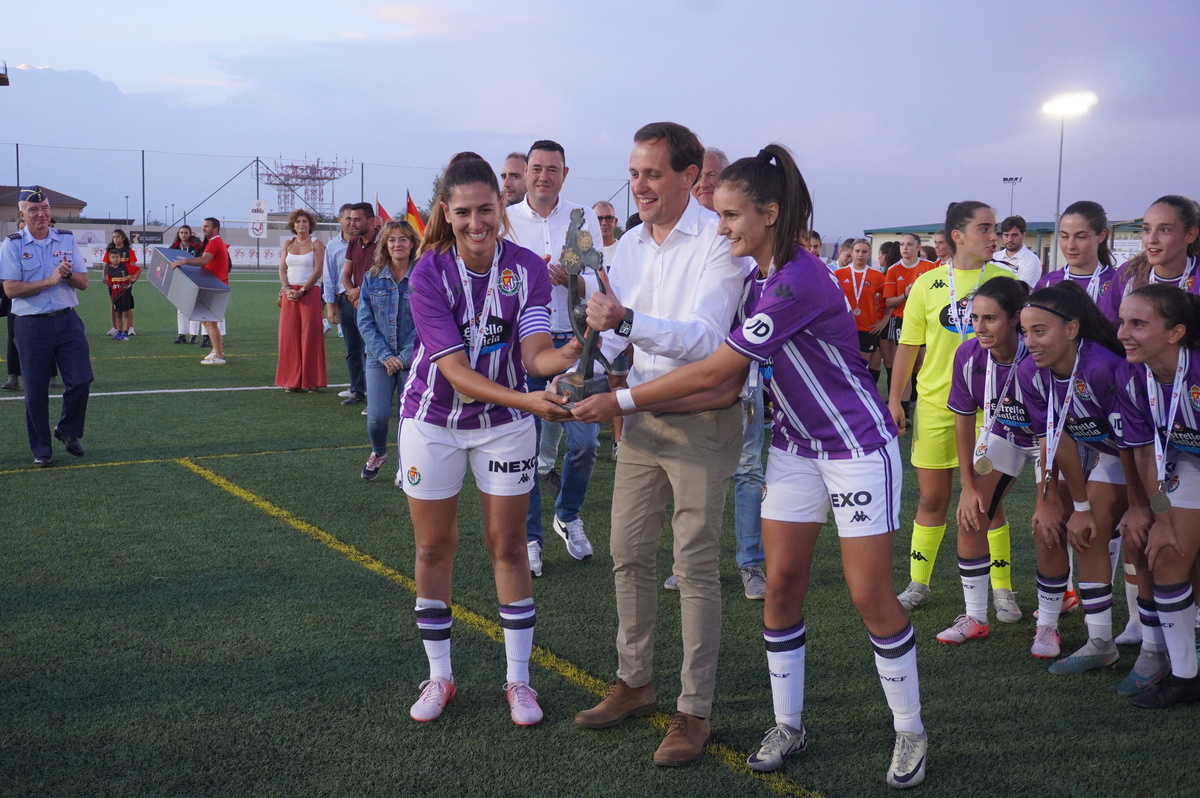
column 212, row 360
column 914, row 595
column 778, row 743
column 435, row 694
column 965, row 628
column 131, row 331
column 522, row 704
column 1045, row 643
column 671, row 583
column 345, row 394
column 578, row 546
column 535, row 555
column 1005, row 602
column 112, row 331
column 908, row 760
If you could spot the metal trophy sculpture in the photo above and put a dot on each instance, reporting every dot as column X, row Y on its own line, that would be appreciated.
column 579, row 254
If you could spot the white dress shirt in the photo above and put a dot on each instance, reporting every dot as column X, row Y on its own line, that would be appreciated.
column 683, row 293
column 546, row 236
column 1027, row 265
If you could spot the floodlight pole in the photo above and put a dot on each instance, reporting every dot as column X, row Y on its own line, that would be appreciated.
column 1062, row 126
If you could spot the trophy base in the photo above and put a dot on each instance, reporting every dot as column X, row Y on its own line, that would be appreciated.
column 576, row 389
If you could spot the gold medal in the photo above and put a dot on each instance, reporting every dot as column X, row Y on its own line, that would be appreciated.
column 1159, row 503
column 984, row 466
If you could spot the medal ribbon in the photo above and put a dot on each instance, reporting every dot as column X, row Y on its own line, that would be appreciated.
column 961, row 323
column 1154, row 395
column 477, row 323
column 1054, row 430
column 858, row 287
column 989, row 382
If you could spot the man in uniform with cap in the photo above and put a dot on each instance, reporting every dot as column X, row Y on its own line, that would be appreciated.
column 42, row 268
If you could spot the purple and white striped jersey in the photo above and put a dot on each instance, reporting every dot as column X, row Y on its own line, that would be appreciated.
column 1101, row 415
column 798, row 322
column 1108, row 275
column 439, row 310
column 1010, row 416
column 1185, row 426
column 1123, row 283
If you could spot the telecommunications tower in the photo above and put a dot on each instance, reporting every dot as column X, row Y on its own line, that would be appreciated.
column 308, row 181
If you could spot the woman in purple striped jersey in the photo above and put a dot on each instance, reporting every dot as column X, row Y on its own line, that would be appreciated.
column 1160, row 329
column 833, row 447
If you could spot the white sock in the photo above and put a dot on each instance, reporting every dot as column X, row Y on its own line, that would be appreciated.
column 974, row 575
column 433, row 622
column 1050, row 591
column 518, row 620
column 785, row 662
column 1096, row 598
column 1177, row 613
column 1131, row 596
column 896, row 663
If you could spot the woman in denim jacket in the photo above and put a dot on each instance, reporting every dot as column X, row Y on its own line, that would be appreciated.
column 388, row 333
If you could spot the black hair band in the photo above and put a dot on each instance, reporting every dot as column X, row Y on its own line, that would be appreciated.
column 1058, row 313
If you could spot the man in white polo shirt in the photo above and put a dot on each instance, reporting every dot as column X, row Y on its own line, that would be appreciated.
column 675, row 292
column 1021, row 258
column 539, row 222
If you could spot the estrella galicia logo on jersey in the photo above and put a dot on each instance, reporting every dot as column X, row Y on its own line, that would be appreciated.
column 860, row 499
column 758, row 328
column 510, row 283
column 939, row 283
column 496, row 334
column 1194, row 396
column 964, row 317
column 1012, row 413
column 1088, row 430
column 1185, row 438
column 414, row 476
column 1081, row 390
column 512, row 466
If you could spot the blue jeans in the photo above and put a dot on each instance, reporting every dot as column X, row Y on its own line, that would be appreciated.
column 748, row 485
column 383, row 389
column 348, row 316
column 583, row 442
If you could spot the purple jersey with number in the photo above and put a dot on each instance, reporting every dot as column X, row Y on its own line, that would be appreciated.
column 1097, row 416
column 439, row 311
column 1185, row 426
column 1011, row 418
column 1108, row 275
column 824, row 403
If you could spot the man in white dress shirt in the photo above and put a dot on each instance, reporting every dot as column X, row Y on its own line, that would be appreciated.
column 675, row 289
column 1024, row 262
column 540, row 222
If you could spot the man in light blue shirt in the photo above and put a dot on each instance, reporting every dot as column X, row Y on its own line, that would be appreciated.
column 42, row 268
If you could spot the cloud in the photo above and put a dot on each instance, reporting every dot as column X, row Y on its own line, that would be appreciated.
column 418, row 20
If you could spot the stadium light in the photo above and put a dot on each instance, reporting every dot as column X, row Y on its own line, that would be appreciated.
column 1011, row 182
column 1062, row 106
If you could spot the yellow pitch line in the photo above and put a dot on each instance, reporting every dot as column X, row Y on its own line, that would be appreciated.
column 730, row 758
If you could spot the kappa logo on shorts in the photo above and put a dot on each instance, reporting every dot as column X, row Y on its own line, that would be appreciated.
column 758, row 328
column 509, row 282
column 414, row 476
column 859, row 499
column 524, row 478
column 512, row 466
column 860, row 517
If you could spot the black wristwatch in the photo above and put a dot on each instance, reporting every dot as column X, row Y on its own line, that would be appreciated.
column 626, row 325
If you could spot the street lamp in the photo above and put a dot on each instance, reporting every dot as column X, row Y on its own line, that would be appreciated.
column 1062, row 106
column 127, row 208
column 1011, row 182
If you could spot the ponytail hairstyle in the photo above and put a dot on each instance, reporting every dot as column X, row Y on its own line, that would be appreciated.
column 958, row 214
column 772, row 176
column 892, row 252
column 464, row 169
column 1174, row 306
column 1189, row 215
column 1093, row 213
column 1011, row 295
column 1069, row 302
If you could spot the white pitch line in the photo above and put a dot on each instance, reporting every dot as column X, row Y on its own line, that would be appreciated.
column 170, row 390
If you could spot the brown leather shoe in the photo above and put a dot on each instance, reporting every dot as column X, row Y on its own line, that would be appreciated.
column 621, row 702
column 684, row 742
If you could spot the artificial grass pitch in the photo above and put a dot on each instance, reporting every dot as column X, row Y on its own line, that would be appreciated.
column 239, row 624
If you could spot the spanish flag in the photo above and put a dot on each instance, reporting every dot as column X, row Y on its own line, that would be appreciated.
column 412, row 216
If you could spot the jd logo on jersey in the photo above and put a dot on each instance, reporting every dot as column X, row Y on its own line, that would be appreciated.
column 758, row 328
column 859, row 499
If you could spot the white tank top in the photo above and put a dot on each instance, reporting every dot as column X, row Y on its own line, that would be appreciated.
column 299, row 268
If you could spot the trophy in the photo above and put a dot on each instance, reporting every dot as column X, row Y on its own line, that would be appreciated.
column 579, row 254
